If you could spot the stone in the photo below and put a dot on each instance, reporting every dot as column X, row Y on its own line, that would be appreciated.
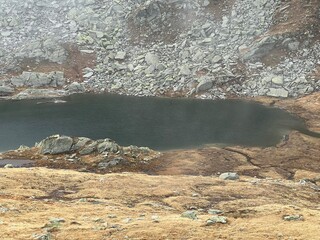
column 56, row 144
column 278, row 92
column 111, row 163
column 152, row 59
column 204, row 85
column 277, row 80
column 217, row 59
column 293, row 218
column 229, row 176
column 155, row 218
column 8, row 166
column 108, row 146
column 205, row 3
column 190, row 214
column 259, row 48
column 37, row 79
column 6, row 33
column 214, row 211
column 216, row 219
column 6, row 90
column 75, row 87
column 57, row 220
column 88, row 74
column 120, row 55
column 80, row 142
column 88, row 149
column 185, row 70
column 293, row 46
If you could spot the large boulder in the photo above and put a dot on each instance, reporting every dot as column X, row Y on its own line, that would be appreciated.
column 56, row 144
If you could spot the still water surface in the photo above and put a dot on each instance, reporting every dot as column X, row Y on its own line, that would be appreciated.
column 158, row 123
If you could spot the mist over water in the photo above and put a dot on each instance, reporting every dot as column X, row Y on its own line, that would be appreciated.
column 158, row 123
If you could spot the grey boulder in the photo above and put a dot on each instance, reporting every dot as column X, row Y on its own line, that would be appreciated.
column 56, row 144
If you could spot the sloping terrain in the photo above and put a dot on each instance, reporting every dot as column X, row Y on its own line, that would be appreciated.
column 204, row 49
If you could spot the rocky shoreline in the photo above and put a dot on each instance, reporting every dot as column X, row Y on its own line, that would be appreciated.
column 202, row 49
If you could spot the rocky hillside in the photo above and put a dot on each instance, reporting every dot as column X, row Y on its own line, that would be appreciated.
column 202, row 48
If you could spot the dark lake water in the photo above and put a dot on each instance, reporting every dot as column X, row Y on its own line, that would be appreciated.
column 158, row 123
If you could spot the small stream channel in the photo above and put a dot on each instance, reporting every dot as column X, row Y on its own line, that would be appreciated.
column 159, row 123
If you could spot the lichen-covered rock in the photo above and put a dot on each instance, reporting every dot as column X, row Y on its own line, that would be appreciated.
column 56, row 144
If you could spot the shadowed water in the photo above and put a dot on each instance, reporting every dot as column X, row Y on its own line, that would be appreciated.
column 159, row 123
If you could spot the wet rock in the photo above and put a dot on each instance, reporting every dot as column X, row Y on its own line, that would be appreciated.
column 278, row 92
column 6, row 90
column 56, row 144
column 190, row 214
column 216, row 219
column 229, row 176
